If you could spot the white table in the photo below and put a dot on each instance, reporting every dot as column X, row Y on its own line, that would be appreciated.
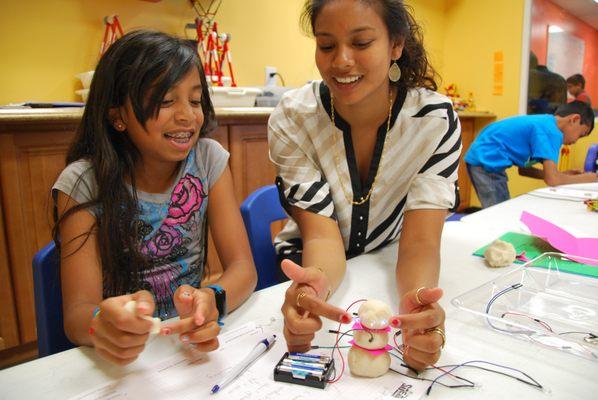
column 569, row 215
column 372, row 275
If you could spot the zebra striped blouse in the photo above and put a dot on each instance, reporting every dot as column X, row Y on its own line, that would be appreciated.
column 419, row 171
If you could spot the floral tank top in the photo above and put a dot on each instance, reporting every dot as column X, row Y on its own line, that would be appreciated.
column 172, row 225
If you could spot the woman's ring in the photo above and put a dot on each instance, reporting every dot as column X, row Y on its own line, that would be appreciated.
column 419, row 301
column 300, row 295
column 439, row 331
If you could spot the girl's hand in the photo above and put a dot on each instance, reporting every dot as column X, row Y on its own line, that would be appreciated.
column 304, row 303
column 198, row 314
column 119, row 335
column 421, row 321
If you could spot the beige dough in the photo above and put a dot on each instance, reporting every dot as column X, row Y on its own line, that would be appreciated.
column 500, row 254
column 363, row 363
column 378, row 340
column 373, row 314
column 156, row 322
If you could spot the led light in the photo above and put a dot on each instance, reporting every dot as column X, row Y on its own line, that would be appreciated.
column 554, row 29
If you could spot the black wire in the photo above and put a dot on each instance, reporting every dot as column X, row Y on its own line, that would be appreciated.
column 335, row 346
column 430, row 380
column 489, row 306
column 436, row 381
column 528, row 333
column 470, row 383
column 453, row 367
column 273, row 74
column 590, row 334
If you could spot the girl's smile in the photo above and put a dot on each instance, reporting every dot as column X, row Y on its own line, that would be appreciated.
column 181, row 139
column 167, row 138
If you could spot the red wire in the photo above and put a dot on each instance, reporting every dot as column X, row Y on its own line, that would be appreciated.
column 335, row 347
column 394, row 338
column 544, row 324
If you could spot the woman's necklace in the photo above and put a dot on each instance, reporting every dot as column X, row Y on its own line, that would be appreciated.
column 336, row 154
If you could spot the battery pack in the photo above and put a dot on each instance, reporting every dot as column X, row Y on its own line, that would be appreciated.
column 304, row 369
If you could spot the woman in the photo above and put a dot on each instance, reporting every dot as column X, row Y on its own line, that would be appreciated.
column 365, row 157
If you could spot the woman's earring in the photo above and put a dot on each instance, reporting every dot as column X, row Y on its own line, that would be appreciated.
column 394, row 72
column 120, row 126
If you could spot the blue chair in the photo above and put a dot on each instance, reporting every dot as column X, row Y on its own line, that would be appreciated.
column 591, row 163
column 259, row 210
column 455, row 217
column 48, row 302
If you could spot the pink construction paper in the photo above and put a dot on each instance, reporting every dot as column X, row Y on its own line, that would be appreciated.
column 561, row 239
column 374, row 352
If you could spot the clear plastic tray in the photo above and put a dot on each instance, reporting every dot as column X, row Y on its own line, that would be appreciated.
column 540, row 303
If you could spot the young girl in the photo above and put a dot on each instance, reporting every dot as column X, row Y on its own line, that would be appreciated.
column 133, row 204
column 365, row 157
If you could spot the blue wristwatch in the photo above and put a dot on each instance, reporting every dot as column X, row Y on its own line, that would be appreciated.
column 220, row 296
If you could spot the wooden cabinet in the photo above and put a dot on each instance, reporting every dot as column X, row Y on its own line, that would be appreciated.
column 251, row 167
column 33, row 144
column 31, row 157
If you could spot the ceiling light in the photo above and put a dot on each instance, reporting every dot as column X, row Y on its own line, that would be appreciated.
column 555, row 28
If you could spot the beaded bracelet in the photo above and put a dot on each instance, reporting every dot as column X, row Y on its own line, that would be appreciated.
column 95, row 313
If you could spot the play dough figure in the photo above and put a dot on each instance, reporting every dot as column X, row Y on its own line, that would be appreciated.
column 500, row 254
column 368, row 356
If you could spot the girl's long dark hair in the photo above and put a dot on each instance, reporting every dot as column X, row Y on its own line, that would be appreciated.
column 416, row 70
column 142, row 67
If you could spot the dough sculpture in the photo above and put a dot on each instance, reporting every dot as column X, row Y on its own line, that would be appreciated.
column 368, row 355
column 500, row 254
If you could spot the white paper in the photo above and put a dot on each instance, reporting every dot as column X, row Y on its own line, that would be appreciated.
column 184, row 376
column 566, row 193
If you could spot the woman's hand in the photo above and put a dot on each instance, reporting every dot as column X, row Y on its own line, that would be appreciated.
column 304, row 304
column 119, row 335
column 573, row 172
column 421, row 321
column 198, row 314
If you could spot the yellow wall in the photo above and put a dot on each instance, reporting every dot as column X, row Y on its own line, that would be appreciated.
column 474, row 31
column 267, row 32
column 270, row 35
column 46, row 42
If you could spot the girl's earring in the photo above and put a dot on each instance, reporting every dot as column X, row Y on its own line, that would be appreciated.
column 120, row 126
column 394, row 72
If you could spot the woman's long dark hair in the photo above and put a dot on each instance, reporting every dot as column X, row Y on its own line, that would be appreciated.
column 416, row 70
column 142, row 67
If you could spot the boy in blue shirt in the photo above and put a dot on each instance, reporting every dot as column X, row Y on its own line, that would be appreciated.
column 525, row 140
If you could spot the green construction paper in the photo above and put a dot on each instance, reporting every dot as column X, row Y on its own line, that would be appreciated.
column 534, row 247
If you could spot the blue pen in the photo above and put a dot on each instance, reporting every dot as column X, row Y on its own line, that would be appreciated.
column 257, row 351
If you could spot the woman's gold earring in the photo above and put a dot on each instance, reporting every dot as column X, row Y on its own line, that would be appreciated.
column 394, row 72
